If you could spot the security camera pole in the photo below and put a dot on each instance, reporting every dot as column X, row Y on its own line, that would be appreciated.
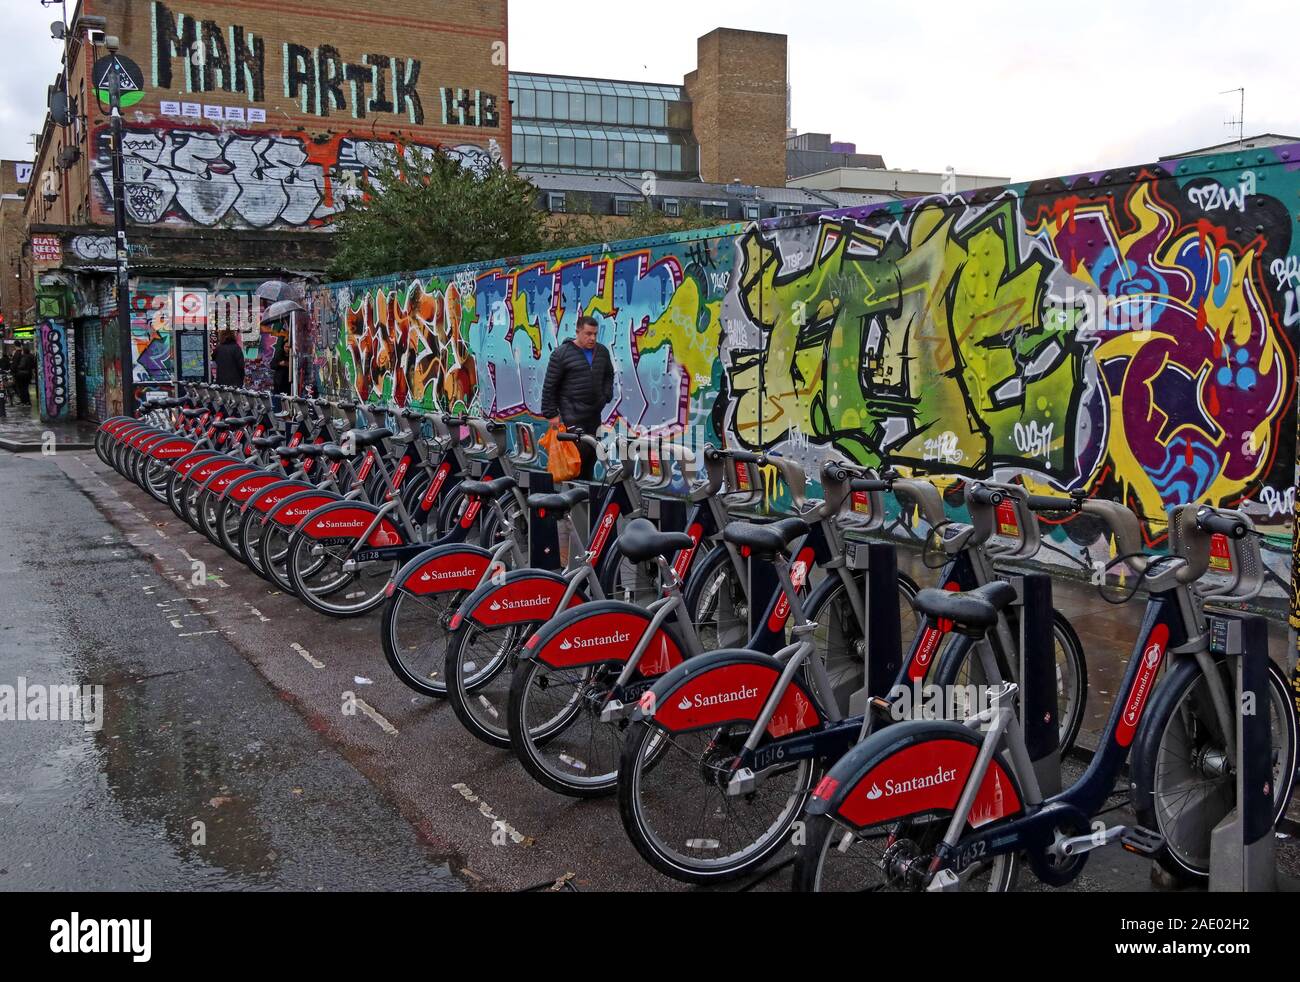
column 119, row 223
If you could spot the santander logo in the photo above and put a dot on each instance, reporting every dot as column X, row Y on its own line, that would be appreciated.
column 618, row 637
column 700, row 701
column 434, row 575
column 1142, row 685
column 941, row 776
column 524, row 604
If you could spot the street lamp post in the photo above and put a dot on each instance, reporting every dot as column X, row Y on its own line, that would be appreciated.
column 119, row 224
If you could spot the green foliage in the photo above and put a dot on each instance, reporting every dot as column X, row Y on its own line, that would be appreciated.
column 424, row 210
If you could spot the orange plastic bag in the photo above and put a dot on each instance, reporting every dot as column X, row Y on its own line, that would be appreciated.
column 562, row 458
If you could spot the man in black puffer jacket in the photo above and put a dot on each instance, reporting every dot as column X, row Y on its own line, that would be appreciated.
column 579, row 384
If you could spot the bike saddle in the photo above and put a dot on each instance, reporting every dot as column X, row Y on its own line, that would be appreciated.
column 973, row 609
column 222, row 425
column 369, row 438
column 641, row 541
column 193, row 413
column 267, row 442
column 241, row 420
column 333, row 451
column 561, row 502
column 308, row 450
column 490, row 490
column 766, row 540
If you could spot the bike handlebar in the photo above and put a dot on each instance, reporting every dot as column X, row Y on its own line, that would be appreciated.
column 985, row 496
column 1210, row 521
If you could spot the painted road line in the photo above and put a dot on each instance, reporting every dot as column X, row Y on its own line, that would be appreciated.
column 306, row 655
column 498, row 823
column 375, row 716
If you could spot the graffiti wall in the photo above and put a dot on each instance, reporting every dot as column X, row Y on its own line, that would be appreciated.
column 1129, row 333
column 183, row 175
column 54, row 356
column 264, row 116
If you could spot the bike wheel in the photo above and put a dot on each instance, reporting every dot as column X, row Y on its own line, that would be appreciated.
column 226, row 525
column 480, row 667
column 1186, row 785
column 415, row 635
column 155, row 479
column 316, row 570
column 717, row 603
column 673, row 801
column 555, row 728
column 1071, row 681
column 273, row 550
column 881, row 858
column 839, row 641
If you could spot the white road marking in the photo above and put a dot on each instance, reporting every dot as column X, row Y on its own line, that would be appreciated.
column 306, row 655
column 378, row 719
column 517, row 837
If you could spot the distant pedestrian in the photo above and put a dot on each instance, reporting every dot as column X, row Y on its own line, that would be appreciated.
column 579, row 384
column 230, row 361
column 24, row 367
column 283, row 359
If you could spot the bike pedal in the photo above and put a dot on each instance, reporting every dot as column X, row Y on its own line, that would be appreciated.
column 1142, row 841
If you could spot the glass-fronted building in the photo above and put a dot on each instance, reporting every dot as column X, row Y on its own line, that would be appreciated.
column 601, row 126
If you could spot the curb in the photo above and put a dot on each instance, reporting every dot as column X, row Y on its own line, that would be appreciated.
column 15, row 446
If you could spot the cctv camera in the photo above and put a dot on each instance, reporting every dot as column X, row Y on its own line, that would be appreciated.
column 94, row 37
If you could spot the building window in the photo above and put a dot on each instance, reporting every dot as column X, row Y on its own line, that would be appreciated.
column 527, row 103
column 583, row 156
column 753, row 212
column 609, row 109
column 550, row 150
column 560, row 104
column 672, row 208
column 624, row 206
column 616, row 154
column 677, row 158
column 599, row 154
column 663, row 157
column 641, row 112
column 786, row 211
column 532, row 149
column 555, row 202
column 658, row 113
column 714, row 209
column 566, row 151
column 544, row 105
column 625, row 111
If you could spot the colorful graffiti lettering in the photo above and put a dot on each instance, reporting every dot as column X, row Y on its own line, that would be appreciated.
column 1128, row 335
column 177, row 175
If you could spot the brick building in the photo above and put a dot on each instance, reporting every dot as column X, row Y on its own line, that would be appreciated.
column 252, row 128
column 15, row 275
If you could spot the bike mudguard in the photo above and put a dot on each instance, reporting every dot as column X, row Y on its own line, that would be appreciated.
column 116, row 423
column 523, row 596
column 227, row 476
column 172, row 449
column 728, row 686
column 157, row 438
column 443, row 569
column 603, row 631
column 191, row 460
column 128, row 430
column 136, row 439
column 351, row 518
column 244, row 488
column 206, row 468
column 911, row 768
column 271, row 495
column 289, row 512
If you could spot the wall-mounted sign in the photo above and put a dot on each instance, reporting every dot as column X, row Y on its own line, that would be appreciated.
column 46, row 249
column 23, row 171
column 130, row 80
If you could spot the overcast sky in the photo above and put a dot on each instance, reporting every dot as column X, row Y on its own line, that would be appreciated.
column 997, row 87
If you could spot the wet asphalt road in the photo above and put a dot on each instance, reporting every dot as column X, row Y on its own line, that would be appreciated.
column 225, row 705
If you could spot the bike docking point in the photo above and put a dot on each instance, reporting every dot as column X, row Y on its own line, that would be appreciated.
column 1039, row 712
column 1243, row 846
